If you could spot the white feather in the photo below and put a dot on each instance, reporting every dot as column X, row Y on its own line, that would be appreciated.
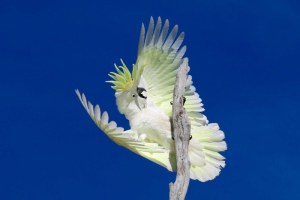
column 160, row 54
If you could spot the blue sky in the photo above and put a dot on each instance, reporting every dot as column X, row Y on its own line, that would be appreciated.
column 244, row 58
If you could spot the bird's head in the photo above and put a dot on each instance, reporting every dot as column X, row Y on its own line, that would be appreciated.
column 131, row 94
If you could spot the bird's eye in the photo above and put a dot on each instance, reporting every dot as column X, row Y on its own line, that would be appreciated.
column 133, row 95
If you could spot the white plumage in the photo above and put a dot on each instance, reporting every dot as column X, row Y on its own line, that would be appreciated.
column 144, row 97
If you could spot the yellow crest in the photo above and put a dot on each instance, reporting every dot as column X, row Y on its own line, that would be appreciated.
column 122, row 79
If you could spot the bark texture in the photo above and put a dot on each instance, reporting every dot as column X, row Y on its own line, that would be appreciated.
column 181, row 134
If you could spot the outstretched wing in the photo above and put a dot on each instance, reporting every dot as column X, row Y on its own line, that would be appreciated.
column 128, row 139
column 159, row 56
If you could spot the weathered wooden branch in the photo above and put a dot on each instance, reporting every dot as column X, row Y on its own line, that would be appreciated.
column 181, row 134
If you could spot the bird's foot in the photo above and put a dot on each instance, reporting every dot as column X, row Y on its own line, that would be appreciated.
column 191, row 137
column 184, row 100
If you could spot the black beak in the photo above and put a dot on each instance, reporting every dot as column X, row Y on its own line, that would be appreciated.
column 140, row 92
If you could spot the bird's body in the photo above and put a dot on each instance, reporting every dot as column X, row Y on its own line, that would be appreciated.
column 144, row 97
column 153, row 125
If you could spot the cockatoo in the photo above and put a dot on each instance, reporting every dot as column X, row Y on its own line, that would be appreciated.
column 145, row 98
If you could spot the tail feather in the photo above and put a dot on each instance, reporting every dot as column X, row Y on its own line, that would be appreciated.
column 196, row 154
column 206, row 161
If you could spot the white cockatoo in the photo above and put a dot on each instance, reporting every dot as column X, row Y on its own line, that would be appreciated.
column 145, row 98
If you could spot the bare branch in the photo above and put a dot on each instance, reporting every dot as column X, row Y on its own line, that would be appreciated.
column 182, row 132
